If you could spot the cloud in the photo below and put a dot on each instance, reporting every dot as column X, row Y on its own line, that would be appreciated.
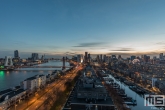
column 53, row 47
column 70, row 53
column 97, row 48
column 134, row 53
column 160, row 43
column 123, row 49
column 91, row 44
column 77, row 49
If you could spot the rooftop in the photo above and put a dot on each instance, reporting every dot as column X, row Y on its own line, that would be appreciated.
column 31, row 78
column 34, row 77
column 5, row 91
column 87, row 92
column 11, row 94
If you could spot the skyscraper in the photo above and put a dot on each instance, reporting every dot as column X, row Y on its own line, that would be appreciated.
column 16, row 54
column 63, row 59
column 146, row 58
column 101, row 58
column 104, row 58
column 119, row 56
column 161, row 56
column 142, row 57
column 113, row 56
column 79, row 58
column 109, row 59
column 98, row 59
column 86, row 56
column 35, row 56
column 89, row 57
column 132, row 58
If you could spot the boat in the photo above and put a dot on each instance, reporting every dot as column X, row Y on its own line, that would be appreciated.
column 115, row 85
column 128, row 107
column 128, row 83
column 121, row 92
column 130, row 102
column 116, row 77
column 126, row 98
column 121, row 79
column 136, row 89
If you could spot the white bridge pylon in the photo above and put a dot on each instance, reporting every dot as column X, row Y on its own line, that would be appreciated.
column 8, row 61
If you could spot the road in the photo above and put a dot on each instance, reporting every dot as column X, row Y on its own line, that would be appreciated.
column 36, row 101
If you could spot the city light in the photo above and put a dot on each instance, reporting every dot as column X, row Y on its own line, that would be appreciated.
column 2, row 67
column 66, row 55
column 1, row 73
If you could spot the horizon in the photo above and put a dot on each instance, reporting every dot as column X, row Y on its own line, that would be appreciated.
column 69, row 55
column 60, row 28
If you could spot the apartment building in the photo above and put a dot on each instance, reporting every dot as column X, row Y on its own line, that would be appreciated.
column 34, row 82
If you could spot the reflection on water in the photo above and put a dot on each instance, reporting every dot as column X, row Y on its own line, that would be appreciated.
column 13, row 78
column 139, row 98
column 2, row 74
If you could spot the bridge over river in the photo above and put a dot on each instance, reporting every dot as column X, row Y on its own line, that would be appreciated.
column 13, row 78
column 47, row 67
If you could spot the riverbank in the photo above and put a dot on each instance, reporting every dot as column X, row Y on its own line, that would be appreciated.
column 138, row 96
column 10, row 79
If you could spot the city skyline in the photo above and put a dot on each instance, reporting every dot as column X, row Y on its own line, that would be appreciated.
column 73, row 27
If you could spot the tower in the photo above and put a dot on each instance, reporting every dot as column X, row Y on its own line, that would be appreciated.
column 161, row 56
column 86, row 57
column 104, row 58
column 119, row 57
column 101, row 58
column 63, row 59
column 89, row 57
column 98, row 60
column 16, row 54
column 35, row 56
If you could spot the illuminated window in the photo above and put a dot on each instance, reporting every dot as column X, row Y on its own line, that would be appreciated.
column 1, row 67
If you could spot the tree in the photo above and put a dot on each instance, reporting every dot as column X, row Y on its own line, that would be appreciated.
column 46, row 104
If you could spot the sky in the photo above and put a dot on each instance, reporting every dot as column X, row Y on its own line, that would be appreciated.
column 69, row 27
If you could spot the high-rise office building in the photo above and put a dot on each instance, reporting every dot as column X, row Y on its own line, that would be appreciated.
column 16, row 54
column 89, row 57
column 119, row 56
column 154, row 57
column 145, row 58
column 161, row 56
column 133, row 57
column 63, row 60
column 104, row 58
column 35, row 56
column 101, row 58
column 43, row 57
column 86, row 56
column 79, row 58
column 113, row 56
column 98, row 59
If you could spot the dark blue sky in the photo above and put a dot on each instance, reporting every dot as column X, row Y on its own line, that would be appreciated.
column 60, row 27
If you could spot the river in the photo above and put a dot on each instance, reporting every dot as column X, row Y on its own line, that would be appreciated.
column 13, row 78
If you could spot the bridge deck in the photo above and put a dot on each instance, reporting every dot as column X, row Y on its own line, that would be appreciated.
column 46, row 67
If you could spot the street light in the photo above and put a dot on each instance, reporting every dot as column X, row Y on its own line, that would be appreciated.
column 15, row 106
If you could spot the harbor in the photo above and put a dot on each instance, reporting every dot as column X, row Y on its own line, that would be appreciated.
column 133, row 95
